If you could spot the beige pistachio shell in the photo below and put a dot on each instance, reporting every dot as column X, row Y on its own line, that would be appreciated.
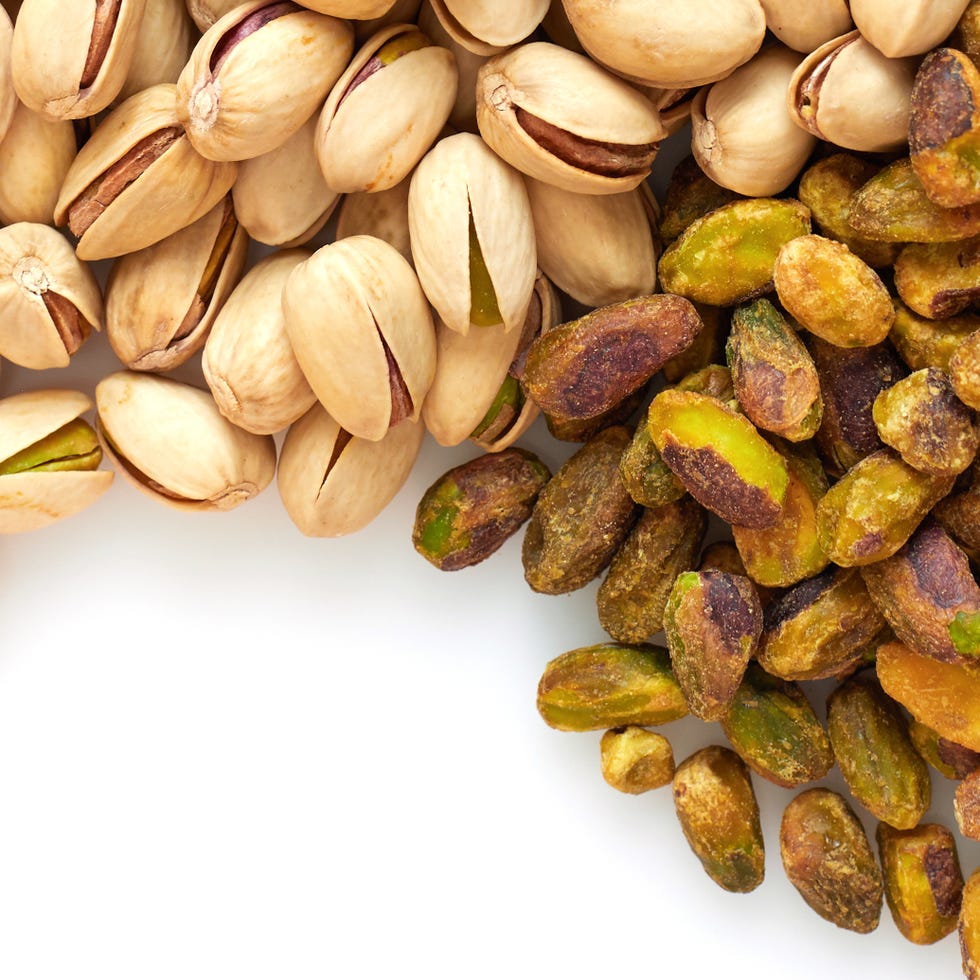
column 69, row 60
column 848, row 93
column 458, row 178
column 908, row 28
column 382, row 214
column 172, row 191
column 35, row 156
column 49, row 299
column 164, row 43
column 205, row 13
column 742, row 135
column 251, row 82
column 248, row 361
column 353, row 9
column 162, row 300
column 599, row 249
column 362, row 333
column 558, row 28
column 602, row 133
column 281, row 197
column 33, row 500
column 487, row 26
column 371, row 135
column 671, row 43
column 170, row 441
column 8, row 95
column 332, row 484
column 805, row 26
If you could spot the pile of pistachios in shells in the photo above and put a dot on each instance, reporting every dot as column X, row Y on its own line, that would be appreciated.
column 438, row 218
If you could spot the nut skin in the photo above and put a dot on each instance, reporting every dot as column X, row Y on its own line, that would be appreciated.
column 966, row 806
column 941, row 280
column 922, row 342
column 947, row 758
column 970, row 927
column 964, row 371
column 649, row 480
column 635, row 760
column 691, row 194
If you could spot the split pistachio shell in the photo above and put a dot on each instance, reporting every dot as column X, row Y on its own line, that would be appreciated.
column 385, row 111
column 248, row 361
column 33, row 497
column 597, row 248
column 332, row 483
column 383, row 214
column 472, row 235
column 49, row 299
column 138, row 179
column 674, row 44
column 170, row 441
column 162, row 300
column 295, row 53
column 909, row 28
column 77, row 69
column 486, row 26
column 163, row 45
column 361, row 329
column 741, row 134
column 804, row 27
column 281, row 197
column 559, row 117
column 848, row 93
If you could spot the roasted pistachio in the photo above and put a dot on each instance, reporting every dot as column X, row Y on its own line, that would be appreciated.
column 970, row 927
column 959, row 513
column 649, row 480
column 964, row 371
column 923, row 342
column 966, row 805
column 941, row 280
column 163, row 44
column 635, row 760
column 691, row 194
column 948, row 758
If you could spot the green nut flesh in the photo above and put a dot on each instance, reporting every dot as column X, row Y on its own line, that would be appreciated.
column 74, row 446
column 970, row 927
column 923, row 343
column 947, row 758
column 484, row 309
column 649, row 480
column 939, row 281
column 635, row 760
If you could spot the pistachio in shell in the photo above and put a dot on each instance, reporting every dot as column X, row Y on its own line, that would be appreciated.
column 806, row 28
column 380, row 214
column 163, row 44
column 909, row 28
column 485, row 26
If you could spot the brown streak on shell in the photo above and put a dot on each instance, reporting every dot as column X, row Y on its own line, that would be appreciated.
column 106, row 16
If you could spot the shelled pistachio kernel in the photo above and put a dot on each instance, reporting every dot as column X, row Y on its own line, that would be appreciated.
column 948, row 758
column 970, row 927
column 635, row 760
column 966, row 806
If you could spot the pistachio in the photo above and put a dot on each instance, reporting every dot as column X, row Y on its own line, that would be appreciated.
column 959, row 513
column 939, row 281
column 138, row 179
column 170, row 442
column 948, row 758
column 381, row 214
column 333, row 483
column 163, row 44
column 966, row 806
column 162, row 300
column 806, row 28
column 649, row 480
column 49, row 459
column 966, row 35
column 379, row 14
column 914, row 28
column 970, row 927
column 635, row 760
column 922, row 342
column 531, row 111
column 964, row 371
column 352, row 9
column 205, row 13
column 226, row 116
column 49, row 298
column 691, row 194
column 484, row 27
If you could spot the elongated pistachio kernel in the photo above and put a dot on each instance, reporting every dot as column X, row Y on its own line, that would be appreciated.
column 74, row 446
column 635, row 760
column 719, row 456
column 608, row 685
column 708, row 346
column 469, row 512
column 691, row 194
column 923, row 343
column 970, row 927
column 775, row 378
column 719, row 815
column 923, row 880
column 881, row 767
column 582, row 430
column 966, row 805
column 947, row 758
column 875, row 507
column 939, row 280
column 827, row 858
column 728, row 255
column 820, row 627
column 772, row 726
column 649, row 480
column 964, row 371
column 946, row 697
column 664, row 542
column 712, row 622
column 959, row 514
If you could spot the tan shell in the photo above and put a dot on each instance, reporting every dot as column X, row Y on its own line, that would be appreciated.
column 559, row 29
column 33, row 500
column 400, row 12
column 54, row 83
column 170, row 441
column 174, row 191
column 164, row 43
column 297, row 56
column 248, row 360
column 331, row 487
column 671, row 43
column 383, row 214
column 907, row 28
column 281, row 197
column 155, row 316
column 805, row 26
column 573, row 94
column 8, row 96
column 460, row 176
column 370, row 138
column 37, row 266
column 205, row 13
column 353, row 9
column 742, row 135
column 487, row 26
column 599, row 249
column 349, row 308
column 848, row 93
column 35, row 156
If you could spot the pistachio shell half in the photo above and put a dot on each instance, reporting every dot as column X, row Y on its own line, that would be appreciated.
column 907, row 28
column 804, row 27
column 163, row 44
column 487, row 26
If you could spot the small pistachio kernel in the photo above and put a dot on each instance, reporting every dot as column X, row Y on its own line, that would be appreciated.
column 74, row 446
column 966, row 805
column 635, row 760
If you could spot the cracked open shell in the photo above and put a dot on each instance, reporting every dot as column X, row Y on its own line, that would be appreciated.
column 472, row 235
column 671, row 43
column 907, row 28
column 362, row 333
column 164, row 43
column 332, row 483
column 160, row 302
column 559, row 117
column 742, row 135
column 488, row 26
column 49, row 299
column 257, row 75
column 170, row 441
column 385, row 110
column 48, row 459
column 138, row 179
